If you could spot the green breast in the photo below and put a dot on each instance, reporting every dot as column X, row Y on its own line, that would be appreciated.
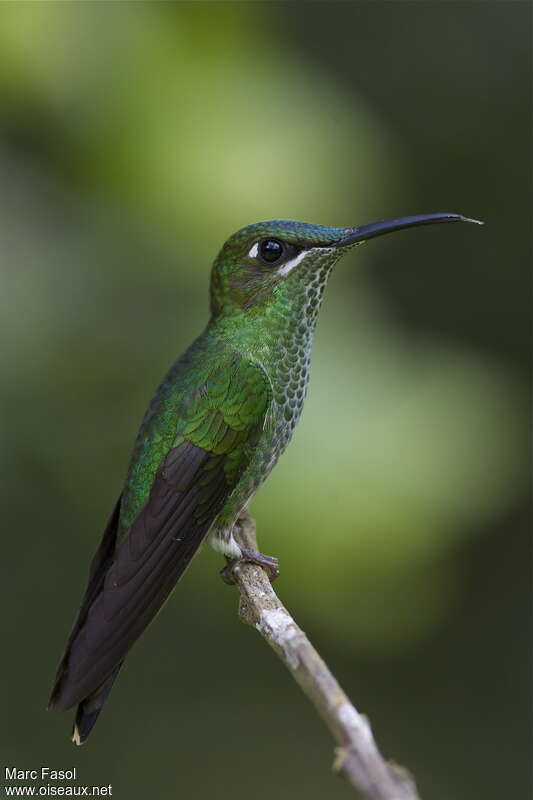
column 282, row 343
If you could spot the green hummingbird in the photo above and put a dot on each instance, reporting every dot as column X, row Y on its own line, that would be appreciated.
column 214, row 430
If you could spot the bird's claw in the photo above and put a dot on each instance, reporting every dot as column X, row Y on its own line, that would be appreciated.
column 268, row 563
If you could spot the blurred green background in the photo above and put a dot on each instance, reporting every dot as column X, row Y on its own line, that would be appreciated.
column 134, row 138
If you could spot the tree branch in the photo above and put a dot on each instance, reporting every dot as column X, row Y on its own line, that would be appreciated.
column 357, row 757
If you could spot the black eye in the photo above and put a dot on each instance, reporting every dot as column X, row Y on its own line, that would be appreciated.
column 270, row 250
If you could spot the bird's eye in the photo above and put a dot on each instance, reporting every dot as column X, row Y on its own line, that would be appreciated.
column 271, row 250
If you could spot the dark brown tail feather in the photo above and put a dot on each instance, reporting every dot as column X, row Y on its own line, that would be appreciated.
column 131, row 580
column 97, row 572
column 89, row 709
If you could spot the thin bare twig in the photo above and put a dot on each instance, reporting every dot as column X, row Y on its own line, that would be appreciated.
column 357, row 757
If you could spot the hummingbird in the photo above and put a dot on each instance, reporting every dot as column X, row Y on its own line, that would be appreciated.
column 222, row 416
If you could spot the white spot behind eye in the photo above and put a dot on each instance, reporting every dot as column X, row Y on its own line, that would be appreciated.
column 289, row 265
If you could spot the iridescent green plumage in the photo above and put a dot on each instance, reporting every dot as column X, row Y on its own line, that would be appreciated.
column 217, row 425
column 213, row 399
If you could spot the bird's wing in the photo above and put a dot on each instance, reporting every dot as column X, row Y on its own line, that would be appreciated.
column 218, row 427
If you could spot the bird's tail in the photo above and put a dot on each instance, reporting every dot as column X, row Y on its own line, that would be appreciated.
column 89, row 709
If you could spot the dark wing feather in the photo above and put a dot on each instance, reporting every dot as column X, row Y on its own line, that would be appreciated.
column 102, row 560
column 190, row 488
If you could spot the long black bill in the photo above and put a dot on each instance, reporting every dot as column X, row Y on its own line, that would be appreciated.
column 364, row 232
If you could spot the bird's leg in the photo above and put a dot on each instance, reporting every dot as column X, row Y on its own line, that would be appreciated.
column 268, row 563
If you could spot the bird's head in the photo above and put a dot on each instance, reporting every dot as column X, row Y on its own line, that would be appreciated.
column 257, row 262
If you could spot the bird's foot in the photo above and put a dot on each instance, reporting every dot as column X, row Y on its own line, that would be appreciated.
column 269, row 564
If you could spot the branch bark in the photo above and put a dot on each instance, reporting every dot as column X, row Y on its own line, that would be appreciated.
column 357, row 757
